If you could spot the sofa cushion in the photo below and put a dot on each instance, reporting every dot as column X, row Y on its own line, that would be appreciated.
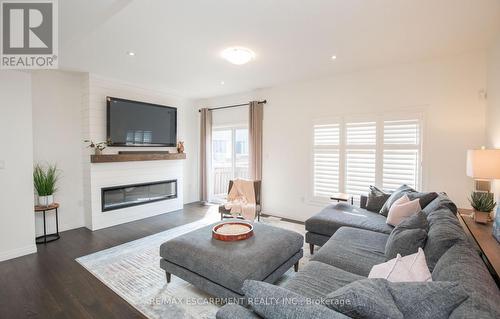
column 376, row 199
column 273, row 302
column 335, row 216
column 436, row 299
column 316, row 280
column 379, row 298
column 354, row 250
column 234, row 311
column 408, row 236
column 367, row 298
column 444, row 232
column 441, row 201
column 462, row 263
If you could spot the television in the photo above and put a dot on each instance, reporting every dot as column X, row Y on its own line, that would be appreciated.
column 133, row 123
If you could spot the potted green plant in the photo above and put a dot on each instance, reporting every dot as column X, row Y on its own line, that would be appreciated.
column 483, row 204
column 45, row 180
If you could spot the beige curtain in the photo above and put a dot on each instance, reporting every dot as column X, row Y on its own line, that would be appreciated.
column 255, row 140
column 205, row 153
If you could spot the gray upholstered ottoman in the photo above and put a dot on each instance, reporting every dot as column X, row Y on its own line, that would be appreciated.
column 219, row 267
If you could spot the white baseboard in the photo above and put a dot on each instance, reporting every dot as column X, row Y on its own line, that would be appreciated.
column 18, row 252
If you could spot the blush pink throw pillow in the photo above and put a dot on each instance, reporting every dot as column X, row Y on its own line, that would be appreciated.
column 401, row 209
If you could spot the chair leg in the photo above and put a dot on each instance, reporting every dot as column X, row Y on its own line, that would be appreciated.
column 311, row 249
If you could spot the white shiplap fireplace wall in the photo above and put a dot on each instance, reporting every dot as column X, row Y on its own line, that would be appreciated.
column 99, row 175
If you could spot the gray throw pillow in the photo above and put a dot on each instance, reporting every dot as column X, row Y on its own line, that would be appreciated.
column 407, row 237
column 366, row 298
column 423, row 198
column 436, row 299
column 397, row 194
column 379, row 298
column 376, row 199
column 273, row 302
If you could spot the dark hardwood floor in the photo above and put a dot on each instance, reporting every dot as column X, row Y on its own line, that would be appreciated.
column 51, row 284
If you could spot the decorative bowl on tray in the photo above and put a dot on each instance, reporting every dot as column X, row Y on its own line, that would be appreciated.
column 232, row 231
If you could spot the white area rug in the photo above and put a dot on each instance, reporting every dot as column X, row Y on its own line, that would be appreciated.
column 132, row 270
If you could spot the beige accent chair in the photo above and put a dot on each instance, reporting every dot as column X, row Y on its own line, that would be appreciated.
column 225, row 213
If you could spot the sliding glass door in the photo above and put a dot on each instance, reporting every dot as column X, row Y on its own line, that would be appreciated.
column 229, row 157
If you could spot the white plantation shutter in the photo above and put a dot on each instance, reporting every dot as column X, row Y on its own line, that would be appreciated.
column 362, row 133
column 361, row 140
column 326, row 159
column 402, row 132
column 401, row 156
column 326, row 134
column 360, row 170
column 349, row 156
column 326, row 172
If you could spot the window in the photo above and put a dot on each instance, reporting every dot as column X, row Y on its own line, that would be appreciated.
column 401, row 153
column 351, row 154
column 229, row 157
column 326, row 159
column 361, row 139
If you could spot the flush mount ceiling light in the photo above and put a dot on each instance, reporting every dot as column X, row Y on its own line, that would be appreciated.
column 334, row 57
column 238, row 55
column 130, row 53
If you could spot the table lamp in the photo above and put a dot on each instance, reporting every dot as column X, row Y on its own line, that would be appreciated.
column 484, row 166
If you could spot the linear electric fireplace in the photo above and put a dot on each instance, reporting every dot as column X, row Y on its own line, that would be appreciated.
column 117, row 197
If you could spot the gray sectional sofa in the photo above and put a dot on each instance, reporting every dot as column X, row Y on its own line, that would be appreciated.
column 353, row 239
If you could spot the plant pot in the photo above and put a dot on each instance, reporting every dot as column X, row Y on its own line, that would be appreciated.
column 97, row 151
column 45, row 200
column 481, row 217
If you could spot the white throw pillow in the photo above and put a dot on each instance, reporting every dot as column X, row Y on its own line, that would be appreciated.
column 409, row 268
column 401, row 209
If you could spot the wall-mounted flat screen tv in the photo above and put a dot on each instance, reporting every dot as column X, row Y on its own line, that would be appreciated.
column 132, row 123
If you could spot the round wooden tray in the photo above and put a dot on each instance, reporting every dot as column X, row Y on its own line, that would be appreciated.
column 246, row 232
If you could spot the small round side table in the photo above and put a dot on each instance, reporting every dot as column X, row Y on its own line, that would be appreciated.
column 47, row 238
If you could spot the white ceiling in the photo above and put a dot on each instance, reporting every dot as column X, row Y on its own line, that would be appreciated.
column 177, row 43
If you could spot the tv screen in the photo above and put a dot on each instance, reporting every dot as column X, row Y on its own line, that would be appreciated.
column 132, row 123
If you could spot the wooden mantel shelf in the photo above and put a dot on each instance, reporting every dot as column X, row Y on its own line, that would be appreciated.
column 111, row 158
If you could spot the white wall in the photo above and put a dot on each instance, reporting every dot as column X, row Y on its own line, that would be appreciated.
column 446, row 90
column 17, row 231
column 57, row 139
column 493, row 103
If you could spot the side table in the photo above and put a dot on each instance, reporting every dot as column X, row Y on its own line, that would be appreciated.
column 342, row 197
column 47, row 238
column 482, row 237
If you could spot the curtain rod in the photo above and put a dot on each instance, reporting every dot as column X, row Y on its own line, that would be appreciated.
column 230, row 106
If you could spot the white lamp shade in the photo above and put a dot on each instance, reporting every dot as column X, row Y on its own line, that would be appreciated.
column 483, row 164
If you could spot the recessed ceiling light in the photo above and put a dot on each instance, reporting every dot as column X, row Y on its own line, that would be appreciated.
column 334, row 57
column 222, row 83
column 130, row 53
column 238, row 55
